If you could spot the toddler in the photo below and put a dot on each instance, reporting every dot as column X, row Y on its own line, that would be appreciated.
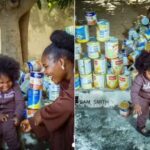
column 11, row 102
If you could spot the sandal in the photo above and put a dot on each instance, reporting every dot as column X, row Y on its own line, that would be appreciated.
column 143, row 131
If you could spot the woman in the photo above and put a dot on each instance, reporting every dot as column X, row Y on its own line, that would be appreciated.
column 55, row 122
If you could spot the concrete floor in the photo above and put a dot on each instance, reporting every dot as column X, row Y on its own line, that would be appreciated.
column 105, row 129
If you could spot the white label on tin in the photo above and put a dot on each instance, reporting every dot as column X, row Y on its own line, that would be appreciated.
column 100, row 66
column 84, row 66
column 86, row 81
column 99, row 81
column 78, row 48
column 37, row 81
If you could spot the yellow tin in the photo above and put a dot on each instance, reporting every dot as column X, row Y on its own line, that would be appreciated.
column 86, row 81
column 93, row 49
column 111, row 81
column 99, row 80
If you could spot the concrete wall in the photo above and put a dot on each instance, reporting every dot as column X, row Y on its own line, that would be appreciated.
column 42, row 23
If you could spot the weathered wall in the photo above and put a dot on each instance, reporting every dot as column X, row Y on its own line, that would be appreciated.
column 120, row 19
column 42, row 23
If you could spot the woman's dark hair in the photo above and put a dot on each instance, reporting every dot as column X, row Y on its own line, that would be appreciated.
column 62, row 46
column 9, row 67
column 142, row 62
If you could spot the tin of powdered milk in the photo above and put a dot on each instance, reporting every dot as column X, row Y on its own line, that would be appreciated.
column 117, row 66
column 77, row 81
column 78, row 51
column 111, row 48
column 86, row 81
column 103, row 30
column 36, row 80
column 124, row 108
column 147, row 34
column 34, row 98
column 99, row 80
column 91, row 17
column 111, row 81
column 141, row 43
column 33, row 65
column 100, row 65
column 84, row 66
column 54, row 91
column 133, row 35
column 124, row 81
column 93, row 49
column 82, row 33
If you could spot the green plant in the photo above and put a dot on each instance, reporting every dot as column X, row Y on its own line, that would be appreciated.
column 56, row 3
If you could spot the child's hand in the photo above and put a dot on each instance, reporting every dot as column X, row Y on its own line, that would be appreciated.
column 4, row 117
column 25, row 125
column 16, row 121
column 137, row 109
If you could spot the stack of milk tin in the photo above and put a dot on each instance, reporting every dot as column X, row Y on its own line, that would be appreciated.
column 138, row 37
column 105, row 66
column 35, row 91
column 35, row 86
column 52, row 90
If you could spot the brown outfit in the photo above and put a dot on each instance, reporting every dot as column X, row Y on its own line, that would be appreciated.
column 58, row 119
column 11, row 103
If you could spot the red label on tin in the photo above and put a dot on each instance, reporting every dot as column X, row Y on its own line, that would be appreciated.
column 119, row 62
column 112, row 78
column 122, row 79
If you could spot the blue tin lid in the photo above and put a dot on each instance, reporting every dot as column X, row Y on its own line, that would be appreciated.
column 36, row 74
column 145, row 20
column 90, row 13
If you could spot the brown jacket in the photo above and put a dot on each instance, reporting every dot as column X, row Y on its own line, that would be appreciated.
column 58, row 119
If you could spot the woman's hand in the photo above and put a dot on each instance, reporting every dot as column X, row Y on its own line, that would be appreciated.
column 137, row 109
column 37, row 118
column 25, row 125
column 4, row 117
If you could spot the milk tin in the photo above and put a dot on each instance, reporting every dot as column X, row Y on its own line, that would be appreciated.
column 124, row 82
column 36, row 80
column 102, row 30
column 100, row 65
column 77, row 81
column 86, row 81
column 124, row 108
column 82, row 33
column 91, row 17
column 111, row 81
column 84, row 66
column 93, row 49
column 54, row 91
column 117, row 66
column 34, row 99
column 99, row 80
column 111, row 48
column 33, row 65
